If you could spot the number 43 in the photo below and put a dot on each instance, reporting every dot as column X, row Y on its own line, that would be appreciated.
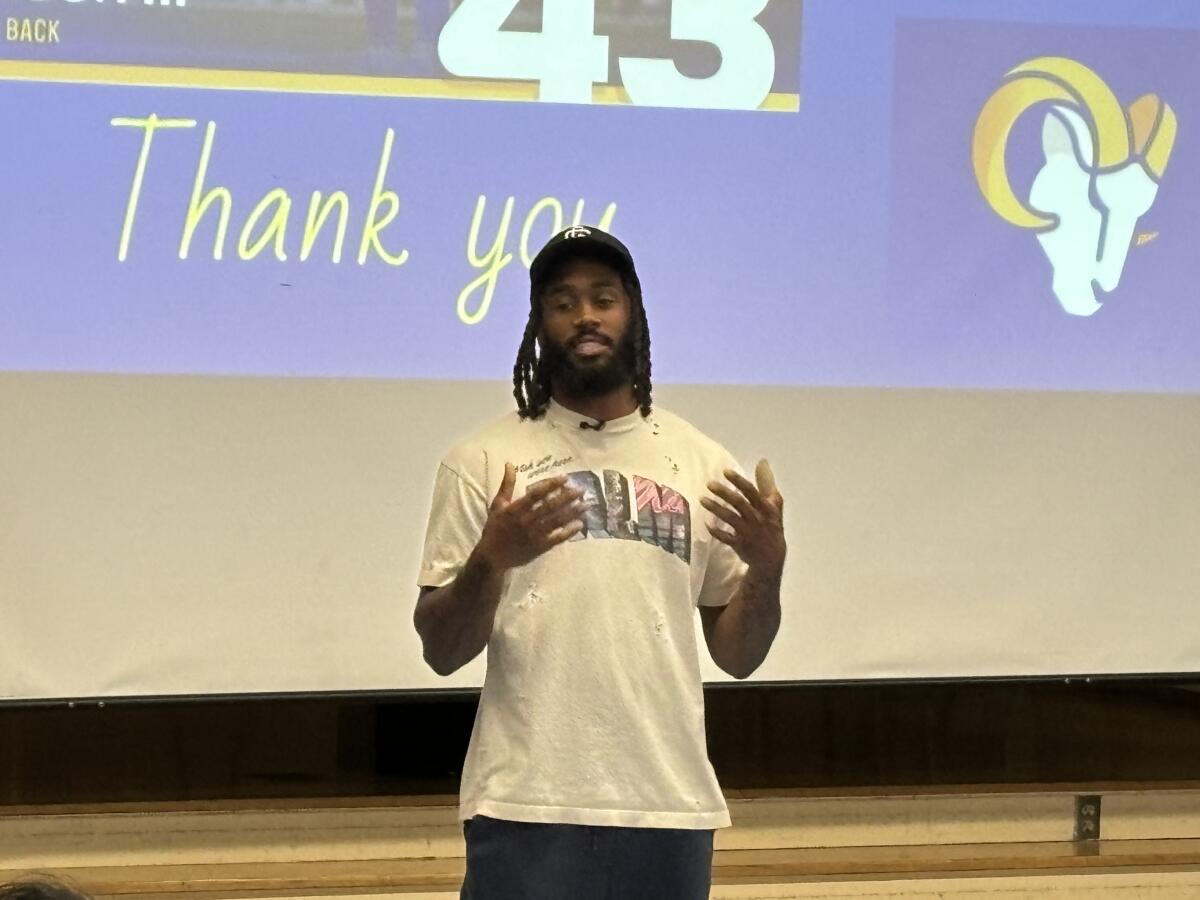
column 568, row 57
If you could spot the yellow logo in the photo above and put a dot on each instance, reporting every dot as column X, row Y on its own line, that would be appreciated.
column 1103, row 165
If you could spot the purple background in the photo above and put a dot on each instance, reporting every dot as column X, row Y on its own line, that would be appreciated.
column 845, row 245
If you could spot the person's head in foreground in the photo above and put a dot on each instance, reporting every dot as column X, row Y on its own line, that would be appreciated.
column 40, row 887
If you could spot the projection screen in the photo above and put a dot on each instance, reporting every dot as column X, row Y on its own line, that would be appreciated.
column 265, row 262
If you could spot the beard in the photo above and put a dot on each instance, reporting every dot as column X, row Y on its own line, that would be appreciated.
column 589, row 377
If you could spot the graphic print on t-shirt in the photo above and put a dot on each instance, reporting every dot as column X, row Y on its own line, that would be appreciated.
column 636, row 509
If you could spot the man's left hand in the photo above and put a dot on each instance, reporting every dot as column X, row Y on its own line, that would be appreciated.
column 753, row 516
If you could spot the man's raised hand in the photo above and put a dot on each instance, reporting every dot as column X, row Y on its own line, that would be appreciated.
column 753, row 514
column 519, row 531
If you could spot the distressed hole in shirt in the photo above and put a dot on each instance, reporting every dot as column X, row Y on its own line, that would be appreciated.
column 659, row 626
column 533, row 598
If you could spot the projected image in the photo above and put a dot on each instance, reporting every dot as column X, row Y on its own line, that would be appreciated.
column 1053, row 193
column 265, row 260
column 1102, row 171
column 286, row 215
column 1023, row 225
column 739, row 54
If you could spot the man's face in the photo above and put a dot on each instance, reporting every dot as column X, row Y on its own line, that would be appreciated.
column 586, row 338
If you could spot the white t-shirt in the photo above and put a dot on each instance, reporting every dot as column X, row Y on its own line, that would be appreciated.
column 592, row 711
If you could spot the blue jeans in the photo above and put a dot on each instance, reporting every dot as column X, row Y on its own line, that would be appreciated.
column 534, row 861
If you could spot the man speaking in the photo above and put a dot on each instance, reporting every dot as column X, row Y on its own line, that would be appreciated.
column 566, row 539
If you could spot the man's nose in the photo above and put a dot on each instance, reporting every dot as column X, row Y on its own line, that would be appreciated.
column 586, row 315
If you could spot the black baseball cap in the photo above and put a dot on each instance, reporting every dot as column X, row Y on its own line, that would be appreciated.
column 581, row 240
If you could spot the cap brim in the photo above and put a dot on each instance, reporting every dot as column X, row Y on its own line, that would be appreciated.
column 578, row 247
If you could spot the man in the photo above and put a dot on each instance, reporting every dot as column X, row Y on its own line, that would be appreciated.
column 561, row 538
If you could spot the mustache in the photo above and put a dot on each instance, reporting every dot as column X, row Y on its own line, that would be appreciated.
column 589, row 336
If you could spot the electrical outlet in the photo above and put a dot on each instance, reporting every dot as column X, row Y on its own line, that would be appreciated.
column 1087, row 817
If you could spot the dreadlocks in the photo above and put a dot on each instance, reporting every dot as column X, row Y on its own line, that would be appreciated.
column 531, row 383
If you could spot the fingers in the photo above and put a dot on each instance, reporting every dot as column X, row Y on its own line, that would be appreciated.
column 507, row 483
column 747, row 517
column 722, row 512
column 561, row 512
column 765, row 478
column 565, row 500
column 548, row 504
column 550, row 512
column 769, row 504
column 537, row 492
column 725, row 537
column 743, row 484
column 767, row 485
column 738, row 501
column 562, row 534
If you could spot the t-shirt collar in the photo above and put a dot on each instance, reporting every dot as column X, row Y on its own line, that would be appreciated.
column 559, row 416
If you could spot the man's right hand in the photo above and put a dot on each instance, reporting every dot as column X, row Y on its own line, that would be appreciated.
column 519, row 531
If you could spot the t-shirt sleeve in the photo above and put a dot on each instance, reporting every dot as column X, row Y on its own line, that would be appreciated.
column 724, row 572
column 722, row 576
column 456, row 521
